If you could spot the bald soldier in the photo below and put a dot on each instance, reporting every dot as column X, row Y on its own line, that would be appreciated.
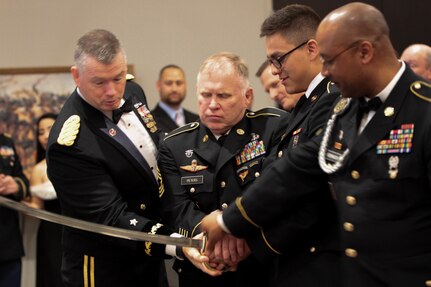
column 375, row 154
column 418, row 57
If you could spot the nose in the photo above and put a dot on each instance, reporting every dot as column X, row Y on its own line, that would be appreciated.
column 109, row 88
column 273, row 94
column 213, row 104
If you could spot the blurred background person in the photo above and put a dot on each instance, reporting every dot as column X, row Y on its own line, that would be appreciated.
column 13, row 185
column 418, row 57
column 273, row 86
column 48, row 258
column 172, row 88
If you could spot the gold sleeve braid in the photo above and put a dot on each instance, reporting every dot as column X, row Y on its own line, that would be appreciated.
column 160, row 180
column 149, row 244
column 244, row 213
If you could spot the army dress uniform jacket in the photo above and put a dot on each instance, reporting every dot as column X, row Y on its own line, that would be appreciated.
column 382, row 189
column 297, row 241
column 165, row 123
column 101, row 177
column 10, row 234
column 201, row 175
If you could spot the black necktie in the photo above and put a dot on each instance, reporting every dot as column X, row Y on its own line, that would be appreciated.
column 125, row 108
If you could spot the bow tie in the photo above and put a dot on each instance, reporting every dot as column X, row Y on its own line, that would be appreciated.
column 371, row 105
column 125, row 108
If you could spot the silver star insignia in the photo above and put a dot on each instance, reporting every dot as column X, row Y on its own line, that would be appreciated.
column 133, row 221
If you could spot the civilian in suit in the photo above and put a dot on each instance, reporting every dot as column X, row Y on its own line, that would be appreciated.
column 374, row 152
column 205, row 165
column 13, row 185
column 172, row 87
column 275, row 89
column 102, row 163
column 418, row 57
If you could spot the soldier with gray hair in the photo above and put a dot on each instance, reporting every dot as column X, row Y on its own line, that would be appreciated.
column 101, row 159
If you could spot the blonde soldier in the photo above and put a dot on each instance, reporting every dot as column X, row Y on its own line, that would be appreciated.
column 205, row 165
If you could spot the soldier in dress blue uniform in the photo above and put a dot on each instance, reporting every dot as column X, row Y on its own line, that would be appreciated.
column 102, row 162
column 205, row 165
column 293, row 56
column 13, row 185
column 374, row 152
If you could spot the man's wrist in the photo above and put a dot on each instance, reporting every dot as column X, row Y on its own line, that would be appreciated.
column 221, row 223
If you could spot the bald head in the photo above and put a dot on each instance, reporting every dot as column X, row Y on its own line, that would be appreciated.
column 418, row 57
column 355, row 37
column 355, row 21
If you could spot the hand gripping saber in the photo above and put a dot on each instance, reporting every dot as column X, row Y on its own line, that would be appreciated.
column 100, row 228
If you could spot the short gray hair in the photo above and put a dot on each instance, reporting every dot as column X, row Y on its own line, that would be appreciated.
column 100, row 44
column 223, row 60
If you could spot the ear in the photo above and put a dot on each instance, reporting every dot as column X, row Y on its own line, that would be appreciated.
column 366, row 52
column 249, row 96
column 158, row 84
column 312, row 49
column 75, row 74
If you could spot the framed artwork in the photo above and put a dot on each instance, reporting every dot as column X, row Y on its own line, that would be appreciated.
column 25, row 95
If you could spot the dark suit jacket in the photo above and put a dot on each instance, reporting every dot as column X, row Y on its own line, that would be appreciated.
column 384, row 203
column 200, row 176
column 101, row 177
column 165, row 123
column 10, row 235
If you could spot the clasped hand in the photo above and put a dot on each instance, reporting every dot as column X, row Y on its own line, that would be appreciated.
column 223, row 251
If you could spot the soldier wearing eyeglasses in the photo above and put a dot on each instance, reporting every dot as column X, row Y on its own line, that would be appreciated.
column 295, row 242
column 376, row 158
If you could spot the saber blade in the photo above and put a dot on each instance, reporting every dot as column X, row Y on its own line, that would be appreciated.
column 100, row 228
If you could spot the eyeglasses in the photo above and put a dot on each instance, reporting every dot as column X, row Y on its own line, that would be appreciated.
column 278, row 62
column 330, row 61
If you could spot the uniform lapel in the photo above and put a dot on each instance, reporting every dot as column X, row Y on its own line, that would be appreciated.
column 382, row 122
column 299, row 115
column 105, row 128
column 235, row 141
column 207, row 146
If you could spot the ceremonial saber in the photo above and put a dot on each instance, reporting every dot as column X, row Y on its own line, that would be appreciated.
column 100, row 228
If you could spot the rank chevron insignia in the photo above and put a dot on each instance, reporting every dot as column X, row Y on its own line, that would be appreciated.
column 69, row 131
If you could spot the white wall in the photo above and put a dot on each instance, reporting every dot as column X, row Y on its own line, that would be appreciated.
column 43, row 33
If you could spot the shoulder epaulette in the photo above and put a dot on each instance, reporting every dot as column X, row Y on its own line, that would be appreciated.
column 267, row 112
column 182, row 129
column 129, row 77
column 69, row 131
column 421, row 90
column 331, row 87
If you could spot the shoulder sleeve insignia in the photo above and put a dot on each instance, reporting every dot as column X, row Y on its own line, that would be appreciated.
column 182, row 129
column 266, row 112
column 69, row 131
column 421, row 90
